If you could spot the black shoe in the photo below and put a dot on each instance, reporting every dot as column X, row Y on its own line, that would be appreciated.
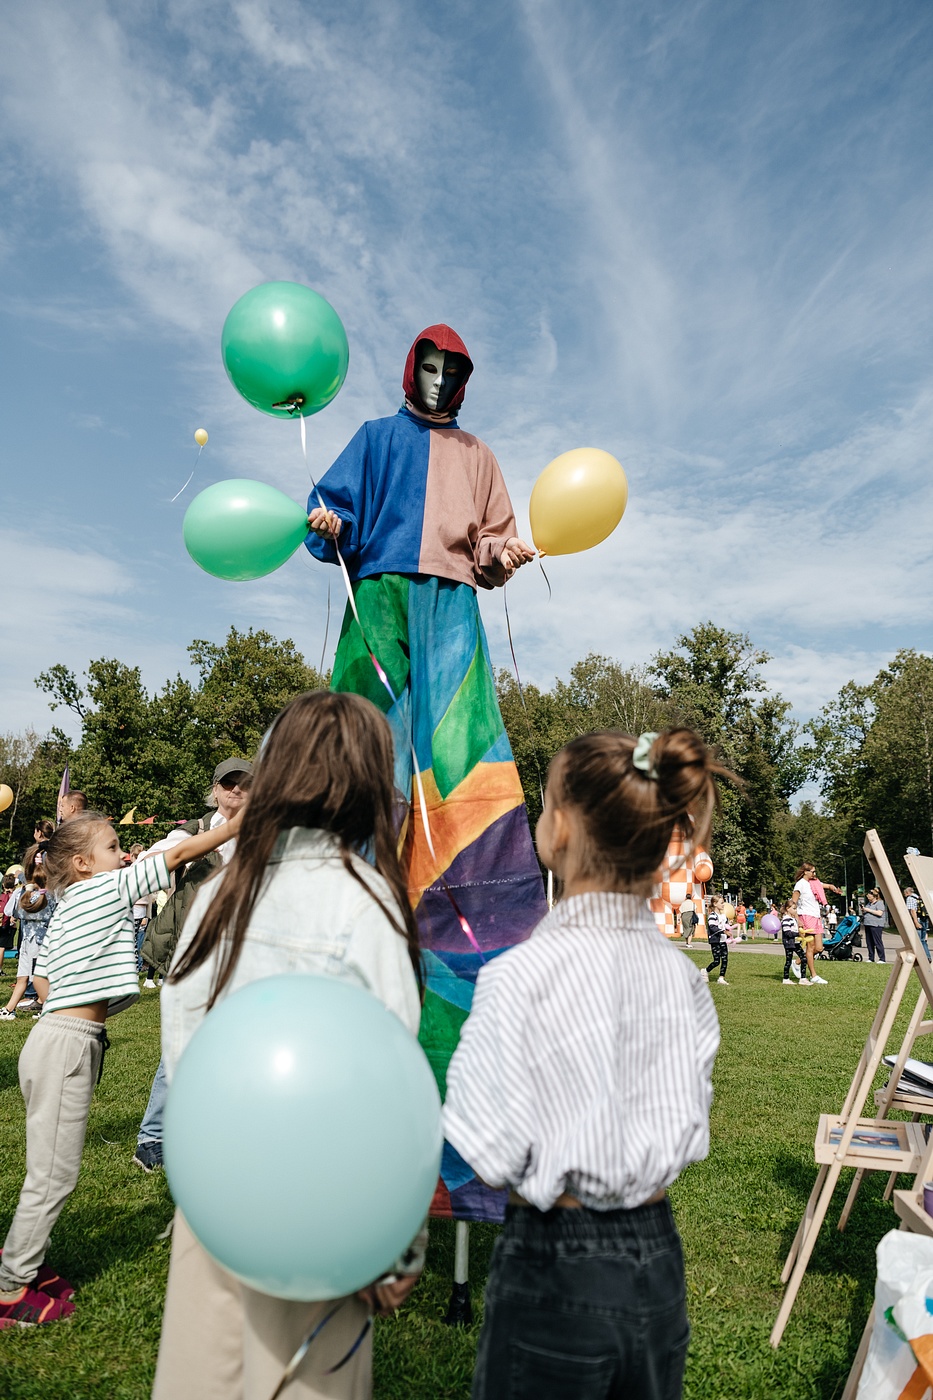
column 148, row 1156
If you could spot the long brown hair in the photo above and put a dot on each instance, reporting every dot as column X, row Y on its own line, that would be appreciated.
column 326, row 763
column 629, row 815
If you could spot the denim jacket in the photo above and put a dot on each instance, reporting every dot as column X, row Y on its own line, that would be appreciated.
column 311, row 916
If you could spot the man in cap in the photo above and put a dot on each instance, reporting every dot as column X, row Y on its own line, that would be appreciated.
column 229, row 787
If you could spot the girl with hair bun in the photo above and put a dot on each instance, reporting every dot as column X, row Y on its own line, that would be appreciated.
column 583, row 1083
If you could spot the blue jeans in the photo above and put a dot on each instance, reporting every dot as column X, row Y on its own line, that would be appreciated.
column 924, row 930
column 150, row 1129
column 584, row 1305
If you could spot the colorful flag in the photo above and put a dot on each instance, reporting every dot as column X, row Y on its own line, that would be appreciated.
column 129, row 819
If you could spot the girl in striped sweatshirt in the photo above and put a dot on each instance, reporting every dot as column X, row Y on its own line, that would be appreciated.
column 86, row 969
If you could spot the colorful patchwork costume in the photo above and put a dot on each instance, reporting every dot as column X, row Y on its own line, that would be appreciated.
column 425, row 515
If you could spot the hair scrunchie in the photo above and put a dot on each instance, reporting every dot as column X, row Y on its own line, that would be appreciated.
column 641, row 756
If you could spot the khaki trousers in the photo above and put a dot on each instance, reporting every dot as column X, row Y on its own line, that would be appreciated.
column 223, row 1341
column 57, row 1071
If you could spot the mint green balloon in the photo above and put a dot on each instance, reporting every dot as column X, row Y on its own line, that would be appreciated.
column 285, row 349
column 243, row 529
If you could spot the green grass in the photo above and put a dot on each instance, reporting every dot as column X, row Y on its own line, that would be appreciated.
column 787, row 1055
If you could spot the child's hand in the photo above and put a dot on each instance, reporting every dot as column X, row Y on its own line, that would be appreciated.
column 325, row 523
column 386, row 1298
column 514, row 554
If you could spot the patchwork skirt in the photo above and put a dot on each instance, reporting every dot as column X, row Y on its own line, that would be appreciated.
column 427, row 635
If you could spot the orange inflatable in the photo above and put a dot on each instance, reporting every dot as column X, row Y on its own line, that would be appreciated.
column 684, row 877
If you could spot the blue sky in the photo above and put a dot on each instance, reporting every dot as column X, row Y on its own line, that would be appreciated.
column 694, row 234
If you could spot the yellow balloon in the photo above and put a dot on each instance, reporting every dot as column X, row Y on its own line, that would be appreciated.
column 6, row 796
column 577, row 501
column 729, row 911
column 200, row 437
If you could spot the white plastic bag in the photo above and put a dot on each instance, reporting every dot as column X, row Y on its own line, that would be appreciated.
column 905, row 1281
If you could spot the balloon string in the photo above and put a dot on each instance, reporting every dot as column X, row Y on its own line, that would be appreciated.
column 302, row 1351
column 188, row 482
column 326, row 631
column 546, row 579
column 531, row 734
column 380, row 672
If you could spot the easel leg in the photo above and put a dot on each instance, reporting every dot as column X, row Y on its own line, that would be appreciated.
column 805, row 1250
column 460, row 1308
column 804, row 1223
column 850, row 1198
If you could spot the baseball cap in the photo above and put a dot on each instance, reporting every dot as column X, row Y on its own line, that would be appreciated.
column 232, row 765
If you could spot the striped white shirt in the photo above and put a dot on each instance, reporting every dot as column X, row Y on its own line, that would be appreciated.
column 89, row 953
column 585, row 1065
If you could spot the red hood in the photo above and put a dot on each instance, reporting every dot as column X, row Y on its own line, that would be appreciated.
column 445, row 339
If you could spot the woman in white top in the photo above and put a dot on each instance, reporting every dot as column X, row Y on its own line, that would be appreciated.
column 807, row 897
column 298, row 896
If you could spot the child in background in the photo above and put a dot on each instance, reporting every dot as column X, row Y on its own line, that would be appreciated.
column 719, row 949
column 297, row 897
column 583, row 1082
column 35, row 908
column 87, row 960
column 789, row 934
column 7, row 927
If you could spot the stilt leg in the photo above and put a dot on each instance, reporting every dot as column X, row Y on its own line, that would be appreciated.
column 460, row 1309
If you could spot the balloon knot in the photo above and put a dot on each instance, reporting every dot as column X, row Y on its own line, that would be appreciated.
column 292, row 405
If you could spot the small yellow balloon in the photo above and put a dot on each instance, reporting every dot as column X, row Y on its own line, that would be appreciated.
column 200, row 437
column 577, row 501
column 729, row 911
column 6, row 796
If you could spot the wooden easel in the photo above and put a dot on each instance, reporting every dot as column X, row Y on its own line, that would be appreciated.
column 908, row 1205
column 837, row 1145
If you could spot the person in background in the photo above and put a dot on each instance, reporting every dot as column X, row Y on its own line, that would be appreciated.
column 808, row 896
column 719, row 950
column 36, row 907
column 912, row 901
column 688, row 920
column 750, row 919
column 874, row 918
column 7, row 924
column 741, row 914
column 789, row 936
column 43, row 830
column 832, row 920
column 140, row 910
column 229, row 786
column 71, row 805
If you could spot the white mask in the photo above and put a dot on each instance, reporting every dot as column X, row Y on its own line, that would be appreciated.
column 438, row 375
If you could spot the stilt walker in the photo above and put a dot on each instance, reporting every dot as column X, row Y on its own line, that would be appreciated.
column 423, row 519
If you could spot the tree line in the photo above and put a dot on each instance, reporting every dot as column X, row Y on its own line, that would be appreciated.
column 870, row 750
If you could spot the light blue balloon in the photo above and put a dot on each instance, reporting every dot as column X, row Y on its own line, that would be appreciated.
column 302, row 1136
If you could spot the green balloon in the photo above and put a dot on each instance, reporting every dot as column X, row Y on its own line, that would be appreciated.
column 243, row 529
column 285, row 349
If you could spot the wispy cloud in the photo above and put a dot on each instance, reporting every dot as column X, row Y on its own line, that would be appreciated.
column 695, row 236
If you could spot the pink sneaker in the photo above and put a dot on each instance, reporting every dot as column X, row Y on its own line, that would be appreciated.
column 32, row 1309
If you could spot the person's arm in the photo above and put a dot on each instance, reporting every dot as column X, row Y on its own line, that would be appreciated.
column 340, row 489
column 41, row 985
column 499, row 551
column 193, row 847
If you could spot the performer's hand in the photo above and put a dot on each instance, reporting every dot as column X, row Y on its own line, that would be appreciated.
column 386, row 1298
column 325, row 523
column 514, row 554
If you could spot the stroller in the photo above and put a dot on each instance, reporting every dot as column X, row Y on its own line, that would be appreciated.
column 839, row 947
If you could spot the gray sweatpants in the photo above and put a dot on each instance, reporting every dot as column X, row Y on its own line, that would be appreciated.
column 57, row 1071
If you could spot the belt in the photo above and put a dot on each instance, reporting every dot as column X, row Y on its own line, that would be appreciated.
column 567, row 1202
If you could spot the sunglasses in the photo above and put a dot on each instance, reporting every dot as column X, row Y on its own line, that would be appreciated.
column 232, row 780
